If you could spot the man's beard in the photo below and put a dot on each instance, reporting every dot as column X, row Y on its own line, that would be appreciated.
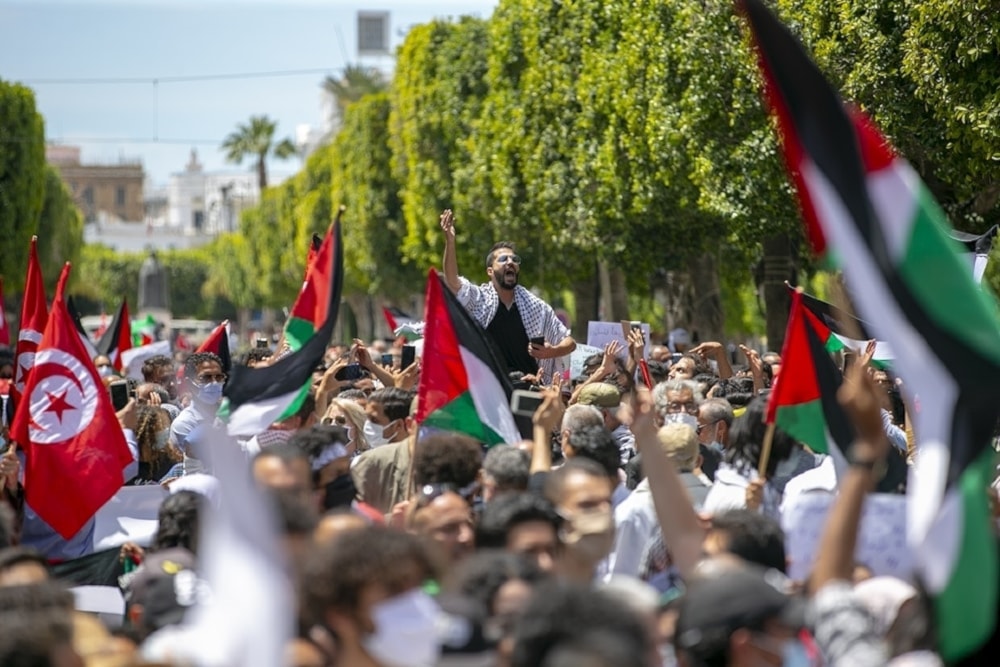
column 504, row 280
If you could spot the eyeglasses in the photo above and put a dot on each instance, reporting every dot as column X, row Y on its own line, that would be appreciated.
column 689, row 408
column 211, row 377
column 503, row 259
column 702, row 427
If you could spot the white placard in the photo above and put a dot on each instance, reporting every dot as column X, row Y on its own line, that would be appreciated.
column 580, row 355
column 881, row 543
column 130, row 516
column 600, row 334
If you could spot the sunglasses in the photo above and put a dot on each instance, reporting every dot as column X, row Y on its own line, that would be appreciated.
column 503, row 259
column 339, row 420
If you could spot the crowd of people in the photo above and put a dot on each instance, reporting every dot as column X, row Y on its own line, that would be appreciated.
column 633, row 525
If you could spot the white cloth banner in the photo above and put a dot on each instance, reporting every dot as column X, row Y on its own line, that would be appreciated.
column 133, row 359
column 130, row 516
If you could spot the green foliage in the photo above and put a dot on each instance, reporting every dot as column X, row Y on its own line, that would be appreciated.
column 60, row 230
column 22, row 179
column 104, row 276
column 373, row 222
column 355, row 82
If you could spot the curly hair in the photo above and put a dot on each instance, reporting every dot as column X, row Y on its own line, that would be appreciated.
column 447, row 458
column 148, row 419
column 197, row 359
column 335, row 575
column 179, row 520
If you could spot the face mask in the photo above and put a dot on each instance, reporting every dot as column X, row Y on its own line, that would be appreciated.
column 375, row 433
column 682, row 418
column 794, row 655
column 340, row 492
column 405, row 631
column 162, row 439
column 105, row 371
column 211, row 393
column 591, row 534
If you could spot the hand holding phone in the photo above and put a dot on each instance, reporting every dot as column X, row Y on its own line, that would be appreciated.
column 409, row 356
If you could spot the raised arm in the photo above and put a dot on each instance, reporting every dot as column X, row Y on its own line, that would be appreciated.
column 682, row 531
column 450, row 261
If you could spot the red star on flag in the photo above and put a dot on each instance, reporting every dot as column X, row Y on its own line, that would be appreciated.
column 58, row 404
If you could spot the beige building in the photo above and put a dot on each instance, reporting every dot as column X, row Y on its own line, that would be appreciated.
column 111, row 192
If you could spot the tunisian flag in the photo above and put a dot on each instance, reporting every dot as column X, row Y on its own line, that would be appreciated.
column 74, row 448
column 4, row 329
column 34, row 315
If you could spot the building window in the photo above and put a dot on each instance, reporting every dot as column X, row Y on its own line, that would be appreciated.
column 120, row 196
column 88, row 196
column 373, row 33
column 199, row 220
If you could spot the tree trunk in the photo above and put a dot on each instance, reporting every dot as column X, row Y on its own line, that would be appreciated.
column 362, row 315
column 262, row 173
column 585, row 295
column 707, row 319
column 618, row 295
column 778, row 267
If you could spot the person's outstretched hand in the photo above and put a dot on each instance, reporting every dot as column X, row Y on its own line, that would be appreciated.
column 448, row 224
column 859, row 396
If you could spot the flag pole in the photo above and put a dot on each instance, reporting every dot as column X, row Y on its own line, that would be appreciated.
column 765, row 450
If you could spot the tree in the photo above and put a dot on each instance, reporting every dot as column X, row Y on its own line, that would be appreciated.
column 355, row 82
column 22, row 178
column 255, row 139
column 60, row 230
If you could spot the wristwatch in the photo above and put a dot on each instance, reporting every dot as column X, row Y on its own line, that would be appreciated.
column 877, row 467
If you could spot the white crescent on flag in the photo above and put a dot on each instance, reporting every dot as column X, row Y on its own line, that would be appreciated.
column 28, row 340
column 64, row 401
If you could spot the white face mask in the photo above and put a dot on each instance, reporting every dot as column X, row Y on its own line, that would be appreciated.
column 162, row 439
column 211, row 393
column 375, row 433
column 405, row 631
column 105, row 371
column 682, row 418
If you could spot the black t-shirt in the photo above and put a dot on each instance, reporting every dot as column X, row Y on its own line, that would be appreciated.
column 507, row 330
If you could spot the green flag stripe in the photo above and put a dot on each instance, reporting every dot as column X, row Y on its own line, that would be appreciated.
column 970, row 317
column 805, row 422
column 298, row 331
column 964, row 615
column 460, row 415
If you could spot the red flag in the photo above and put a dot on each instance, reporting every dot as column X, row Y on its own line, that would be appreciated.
column 314, row 245
column 118, row 337
column 103, row 327
column 74, row 448
column 4, row 329
column 34, row 315
column 218, row 344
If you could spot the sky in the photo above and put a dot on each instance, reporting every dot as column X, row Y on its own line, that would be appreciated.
column 51, row 45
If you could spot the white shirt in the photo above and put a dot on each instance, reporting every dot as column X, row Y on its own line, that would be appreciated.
column 635, row 523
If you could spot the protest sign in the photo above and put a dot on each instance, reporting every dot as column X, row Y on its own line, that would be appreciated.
column 600, row 334
column 881, row 537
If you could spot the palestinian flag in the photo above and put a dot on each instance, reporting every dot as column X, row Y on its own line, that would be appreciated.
column 255, row 398
column 311, row 306
column 977, row 249
column 803, row 402
column 906, row 278
column 218, row 344
column 118, row 337
column 840, row 331
column 78, row 323
column 463, row 386
column 402, row 324
column 144, row 331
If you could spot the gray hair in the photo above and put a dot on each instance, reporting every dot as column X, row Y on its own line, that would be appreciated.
column 718, row 410
column 508, row 466
column 577, row 416
column 661, row 389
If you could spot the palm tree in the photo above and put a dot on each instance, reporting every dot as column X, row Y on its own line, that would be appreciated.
column 355, row 82
column 256, row 139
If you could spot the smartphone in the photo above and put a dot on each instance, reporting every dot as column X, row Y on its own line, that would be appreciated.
column 524, row 403
column 537, row 340
column 387, row 360
column 349, row 372
column 636, row 326
column 119, row 394
column 409, row 356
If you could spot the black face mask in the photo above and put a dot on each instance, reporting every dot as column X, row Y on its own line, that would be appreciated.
column 340, row 492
